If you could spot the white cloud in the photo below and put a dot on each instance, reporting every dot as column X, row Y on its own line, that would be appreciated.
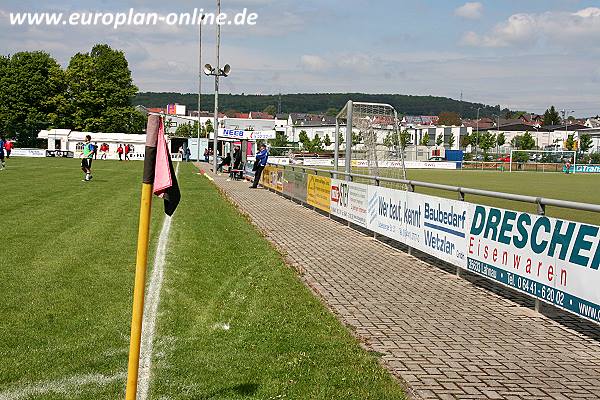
column 470, row 10
column 554, row 28
column 313, row 63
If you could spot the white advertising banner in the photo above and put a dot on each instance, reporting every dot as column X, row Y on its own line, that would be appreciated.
column 349, row 201
column 28, row 153
column 441, row 227
column 434, row 225
column 551, row 259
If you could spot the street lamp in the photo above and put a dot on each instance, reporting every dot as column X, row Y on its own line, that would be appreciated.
column 477, row 130
column 565, row 114
column 199, row 81
column 497, row 133
column 217, row 72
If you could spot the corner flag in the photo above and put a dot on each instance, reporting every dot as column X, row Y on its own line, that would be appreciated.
column 165, row 181
column 159, row 178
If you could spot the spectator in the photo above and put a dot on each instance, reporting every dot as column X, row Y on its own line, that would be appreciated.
column 2, row 144
column 206, row 155
column 225, row 161
column 261, row 161
column 8, row 146
column 237, row 160
column 188, row 153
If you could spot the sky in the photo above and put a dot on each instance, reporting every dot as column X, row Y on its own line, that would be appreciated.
column 520, row 54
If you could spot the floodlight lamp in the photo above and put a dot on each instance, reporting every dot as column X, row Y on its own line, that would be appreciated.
column 226, row 69
column 208, row 69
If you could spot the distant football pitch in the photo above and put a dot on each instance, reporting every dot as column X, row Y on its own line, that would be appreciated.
column 234, row 322
column 579, row 187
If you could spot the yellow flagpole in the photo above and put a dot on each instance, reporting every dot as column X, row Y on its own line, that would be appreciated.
column 138, row 291
column 141, row 261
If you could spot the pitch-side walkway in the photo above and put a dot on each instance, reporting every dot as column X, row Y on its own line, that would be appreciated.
column 445, row 337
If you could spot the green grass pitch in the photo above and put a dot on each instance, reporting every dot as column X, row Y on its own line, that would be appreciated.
column 66, row 280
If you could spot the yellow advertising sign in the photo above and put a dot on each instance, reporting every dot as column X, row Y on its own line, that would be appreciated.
column 318, row 190
column 272, row 178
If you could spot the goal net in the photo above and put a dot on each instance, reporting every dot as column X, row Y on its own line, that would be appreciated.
column 542, row 160
column 373, row 145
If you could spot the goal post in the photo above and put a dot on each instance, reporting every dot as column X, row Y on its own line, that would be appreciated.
column 367, row 125
column 542, row 157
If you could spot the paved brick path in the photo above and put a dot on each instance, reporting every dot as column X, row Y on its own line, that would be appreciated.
column 444, row 336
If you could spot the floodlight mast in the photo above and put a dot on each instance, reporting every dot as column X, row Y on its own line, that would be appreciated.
column 217, row 72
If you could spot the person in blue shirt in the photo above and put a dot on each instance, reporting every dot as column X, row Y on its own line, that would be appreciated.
column 261, row 161
column 2, row 141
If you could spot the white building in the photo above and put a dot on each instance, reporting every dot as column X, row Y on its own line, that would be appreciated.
column 68, row 140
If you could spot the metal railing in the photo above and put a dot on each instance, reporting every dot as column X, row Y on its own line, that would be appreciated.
column 541, row 202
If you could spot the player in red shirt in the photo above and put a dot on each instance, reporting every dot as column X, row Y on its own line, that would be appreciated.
column 127, row 149
column 8, row 146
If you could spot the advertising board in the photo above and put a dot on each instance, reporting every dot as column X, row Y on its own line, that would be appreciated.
column 349, row 201
column 551, row 259
column 318, row 191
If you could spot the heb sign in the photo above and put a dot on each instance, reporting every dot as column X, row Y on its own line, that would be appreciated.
column 551, row 259
column 241, row 134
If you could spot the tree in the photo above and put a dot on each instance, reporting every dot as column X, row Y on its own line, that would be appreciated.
column 32, row 96
column 520, row 156
column 278, row 144
column 405, row 138
column 208, row 128
column 449, row 118
column 327, row 140
column 451, row 140
column 340, row 138
column 100, row 89
column 500, row 139
column 516, row 141
column 332, row 112
column 271, row 110
column 551, row 116
column 488, row 140
column 304, row 140
column 585, row 142
column 465, row 140
column 391, row 140
column 439, row 140
column 316, row 144
column 527, row 141
column 186, row 130
column 570, row 143
column 356, row 138
column 425, row 140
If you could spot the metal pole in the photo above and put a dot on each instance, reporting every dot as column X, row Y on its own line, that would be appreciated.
column 217, row 72
column 348, row 155
column 336, row 153
column 477, row 137
column 199, row 82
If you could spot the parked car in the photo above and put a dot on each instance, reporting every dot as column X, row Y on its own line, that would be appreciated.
column 436, row 158
column 504, row 159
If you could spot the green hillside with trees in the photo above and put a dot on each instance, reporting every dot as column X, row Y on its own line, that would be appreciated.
column 319, row 103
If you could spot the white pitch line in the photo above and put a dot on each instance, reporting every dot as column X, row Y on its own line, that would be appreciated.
column 65, row 386
column 151, row 308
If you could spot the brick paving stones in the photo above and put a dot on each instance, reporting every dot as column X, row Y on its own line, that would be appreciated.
column 443, row 336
